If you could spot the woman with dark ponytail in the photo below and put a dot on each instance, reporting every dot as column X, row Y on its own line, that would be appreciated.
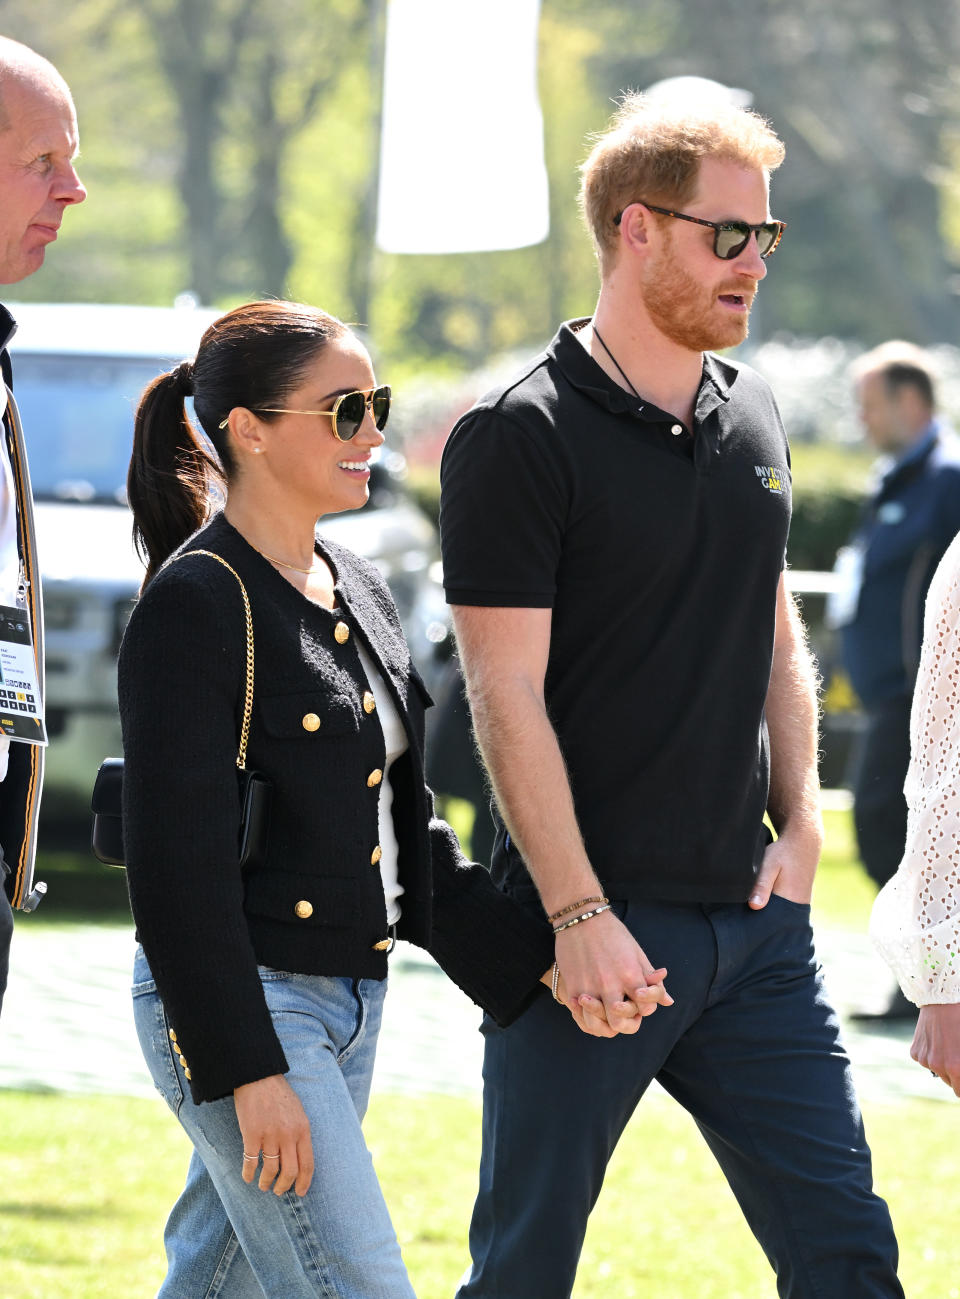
column 258, row 993
column 170, row 472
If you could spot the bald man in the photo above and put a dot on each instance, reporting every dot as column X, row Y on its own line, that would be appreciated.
column 38, row 182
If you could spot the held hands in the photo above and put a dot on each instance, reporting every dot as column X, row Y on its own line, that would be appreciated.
column 276, row 1135
column 605, row 979
column 936, row 1043
column 788, row 867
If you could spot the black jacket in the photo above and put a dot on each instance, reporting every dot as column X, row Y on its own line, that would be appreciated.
column 20, row 791
column 204, row 928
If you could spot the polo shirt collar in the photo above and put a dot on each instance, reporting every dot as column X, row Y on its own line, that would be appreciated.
column 719, row 377
column 582, row 371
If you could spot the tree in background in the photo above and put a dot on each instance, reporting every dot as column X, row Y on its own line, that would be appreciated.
column 245, row 75
column 865, row 96
column 198, row 48
column 209, row 94
column 231, row 148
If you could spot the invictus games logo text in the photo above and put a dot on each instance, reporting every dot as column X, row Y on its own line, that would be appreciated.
column 771, row 478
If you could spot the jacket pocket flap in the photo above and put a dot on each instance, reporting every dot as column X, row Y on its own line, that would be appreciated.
column 303, row 899
column 311, row 714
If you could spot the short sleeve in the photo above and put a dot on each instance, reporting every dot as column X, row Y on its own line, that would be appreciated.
column 504, row 503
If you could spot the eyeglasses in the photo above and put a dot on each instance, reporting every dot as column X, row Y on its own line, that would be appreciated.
column 729, row 237
column 347, row 412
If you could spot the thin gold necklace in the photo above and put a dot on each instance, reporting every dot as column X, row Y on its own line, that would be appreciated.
column 282, row 563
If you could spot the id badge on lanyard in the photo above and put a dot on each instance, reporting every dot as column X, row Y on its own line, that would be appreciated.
column 21, row 704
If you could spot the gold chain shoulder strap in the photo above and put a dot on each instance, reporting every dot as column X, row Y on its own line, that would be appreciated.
column 248, row 696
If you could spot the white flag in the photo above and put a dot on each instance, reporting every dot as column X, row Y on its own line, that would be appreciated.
column 461, row 155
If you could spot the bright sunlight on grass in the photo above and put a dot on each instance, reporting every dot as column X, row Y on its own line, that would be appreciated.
column 89, row 1181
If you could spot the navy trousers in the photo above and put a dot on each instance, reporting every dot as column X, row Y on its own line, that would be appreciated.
column 751, row 1049
column 879, row 807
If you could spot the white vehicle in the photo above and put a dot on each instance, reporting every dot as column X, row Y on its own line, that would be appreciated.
column 78, row 374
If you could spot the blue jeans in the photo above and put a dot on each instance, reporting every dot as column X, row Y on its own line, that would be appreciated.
column 228, row 1239
column 751, row 1048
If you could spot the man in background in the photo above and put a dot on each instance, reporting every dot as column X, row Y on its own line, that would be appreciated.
column 908, row 522
column 38, row 143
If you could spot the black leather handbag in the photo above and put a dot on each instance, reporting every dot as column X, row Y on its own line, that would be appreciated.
column 256, row 791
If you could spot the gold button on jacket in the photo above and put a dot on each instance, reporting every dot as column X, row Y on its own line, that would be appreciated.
column 304, row 909
column 369, row 703
column 376, row 855
column 374, row 778
column 382, row 945
column 341, row 633
column 311, row 722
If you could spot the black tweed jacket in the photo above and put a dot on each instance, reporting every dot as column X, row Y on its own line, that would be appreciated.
column 205, row 928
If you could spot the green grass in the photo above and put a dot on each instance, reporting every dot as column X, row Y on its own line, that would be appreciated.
column 843, row 893
column 80, row 889
column 88, row 1182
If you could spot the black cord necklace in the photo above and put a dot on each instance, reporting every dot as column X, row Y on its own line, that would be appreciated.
column 596, row 334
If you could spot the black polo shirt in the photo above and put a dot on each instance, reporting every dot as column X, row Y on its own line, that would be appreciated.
column 659, row 551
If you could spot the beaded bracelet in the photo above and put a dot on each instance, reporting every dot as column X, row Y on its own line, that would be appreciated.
column 573, row 907
column 587, row 915
column 556, row 980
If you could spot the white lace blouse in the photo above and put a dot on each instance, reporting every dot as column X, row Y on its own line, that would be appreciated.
column 916, row 918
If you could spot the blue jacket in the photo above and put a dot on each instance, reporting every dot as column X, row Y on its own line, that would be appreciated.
column 907, row 525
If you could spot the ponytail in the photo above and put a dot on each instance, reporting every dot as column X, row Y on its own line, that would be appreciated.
column 171, row 473
column 252, row 357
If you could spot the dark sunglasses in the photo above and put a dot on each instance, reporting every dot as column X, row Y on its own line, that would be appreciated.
column 729, row 237
column 347, row 412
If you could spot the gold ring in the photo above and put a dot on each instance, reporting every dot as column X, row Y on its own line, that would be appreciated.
column 276, row 1156
column 253, row 1158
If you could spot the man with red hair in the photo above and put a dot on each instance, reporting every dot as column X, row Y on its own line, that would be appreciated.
column 614, row 524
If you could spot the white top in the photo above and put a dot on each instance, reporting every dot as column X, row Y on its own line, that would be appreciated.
column 9, row 555
column 395, row 741
column 915, row 923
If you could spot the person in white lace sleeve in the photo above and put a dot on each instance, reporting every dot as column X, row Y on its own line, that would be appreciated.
column 916, row 918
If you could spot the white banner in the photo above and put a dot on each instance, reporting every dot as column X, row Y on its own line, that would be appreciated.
column 461, row 157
